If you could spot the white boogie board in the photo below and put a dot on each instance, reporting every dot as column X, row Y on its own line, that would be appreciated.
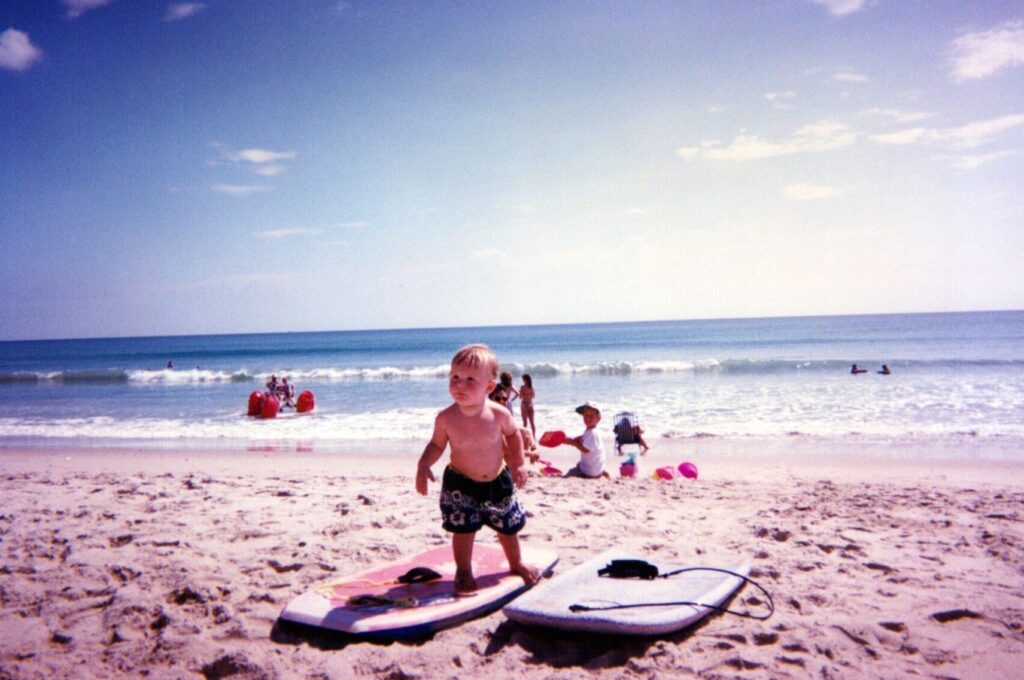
column 549, row 603
column 403, row 610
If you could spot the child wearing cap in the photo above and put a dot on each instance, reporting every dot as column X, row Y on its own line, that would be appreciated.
column 589, row 444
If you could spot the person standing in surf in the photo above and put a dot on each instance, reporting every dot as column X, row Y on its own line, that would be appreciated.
column 479, row 483
column 526, row 395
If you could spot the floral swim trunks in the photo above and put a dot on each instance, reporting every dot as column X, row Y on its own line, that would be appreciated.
column 467, row 505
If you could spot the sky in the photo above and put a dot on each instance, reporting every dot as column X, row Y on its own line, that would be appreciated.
column 234, row 166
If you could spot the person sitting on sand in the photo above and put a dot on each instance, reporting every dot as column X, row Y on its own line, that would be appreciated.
column 480, row 481
column 589, row 444
column 855, row 370
column 885, row 370
column 499, row 396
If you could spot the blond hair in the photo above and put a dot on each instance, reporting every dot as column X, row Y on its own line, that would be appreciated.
column 477, row 355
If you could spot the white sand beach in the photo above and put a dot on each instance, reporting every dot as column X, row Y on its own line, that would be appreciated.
column 121, row 563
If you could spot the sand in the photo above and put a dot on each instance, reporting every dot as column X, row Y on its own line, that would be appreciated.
column 176, row 565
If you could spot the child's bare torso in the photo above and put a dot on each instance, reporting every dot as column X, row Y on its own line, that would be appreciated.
column 476, row 442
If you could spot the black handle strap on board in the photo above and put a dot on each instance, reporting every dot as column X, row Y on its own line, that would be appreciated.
column 648, row 572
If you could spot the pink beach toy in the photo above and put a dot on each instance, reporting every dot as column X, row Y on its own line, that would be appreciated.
column 688, row 470
column 667, row 472
column 550, row 471
column 627, row 470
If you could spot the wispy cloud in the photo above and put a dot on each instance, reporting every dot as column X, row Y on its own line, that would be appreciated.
column 183, row 10
column 239, row 190
column 849, row 77
column 17, row 53
column 964, row 137
column 841, row 8
column 972, row 161
column 353, row 225
column 810, row 192
column 262, row 162
column 261, row 156
column 901, row 116
column 776, row 96
column 979, row 55
column 288, row 232
column 268, row 170
column 77, row 8
column 813, row 138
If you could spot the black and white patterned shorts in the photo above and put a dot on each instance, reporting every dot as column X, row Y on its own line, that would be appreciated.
column 467, row 505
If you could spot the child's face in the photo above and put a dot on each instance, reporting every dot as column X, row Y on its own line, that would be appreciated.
column 469, row 386
column 591, row 417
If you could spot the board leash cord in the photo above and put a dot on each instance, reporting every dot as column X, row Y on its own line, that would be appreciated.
column 649, row 572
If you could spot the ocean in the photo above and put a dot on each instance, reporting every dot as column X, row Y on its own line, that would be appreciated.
column 957, row 378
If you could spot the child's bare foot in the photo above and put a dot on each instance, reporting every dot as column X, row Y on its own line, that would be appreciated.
column 527, row 571
column 464, row 582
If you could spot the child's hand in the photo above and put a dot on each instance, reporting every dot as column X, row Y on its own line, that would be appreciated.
column 423, row 474
column 519, row 476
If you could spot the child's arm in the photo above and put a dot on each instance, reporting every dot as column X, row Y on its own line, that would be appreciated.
column 431, row 454
column 577, row 443
column 514, row 451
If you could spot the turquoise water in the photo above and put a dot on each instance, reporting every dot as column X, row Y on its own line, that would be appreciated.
column 954, row 376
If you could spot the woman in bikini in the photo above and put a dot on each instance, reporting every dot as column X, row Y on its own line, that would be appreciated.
column 526, row 395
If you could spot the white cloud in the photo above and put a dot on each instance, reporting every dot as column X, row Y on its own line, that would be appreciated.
column 976, row 134
column 901, row 116
column 268, row 170
column 964, row 137
column 77, row 8
column 840, row 8
column 820, row 136
column 902, row 137
column 262, row 156
column 17, row 53
column 183, row 10
column 971, row 161
column 262, row 162
column 774, row 96
column 239, row 190
column 849, row 77
column 979, row 55
column 354, row 225
column 810, row 192
column 278, row 234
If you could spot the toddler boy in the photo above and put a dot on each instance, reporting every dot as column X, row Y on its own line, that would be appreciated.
column 480, row 481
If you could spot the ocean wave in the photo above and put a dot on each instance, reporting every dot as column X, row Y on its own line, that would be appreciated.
column 330, row 374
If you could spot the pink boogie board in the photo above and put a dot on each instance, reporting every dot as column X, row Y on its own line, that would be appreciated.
column 414, row 609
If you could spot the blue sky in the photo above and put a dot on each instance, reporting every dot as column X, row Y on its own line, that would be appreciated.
column 260, row 165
